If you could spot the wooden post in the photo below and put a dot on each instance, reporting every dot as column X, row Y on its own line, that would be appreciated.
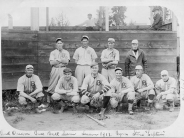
column 10, row 22
column 106, row 19
column 47, row 18
column 34, row 18
column 174, row 22
column 100, row 18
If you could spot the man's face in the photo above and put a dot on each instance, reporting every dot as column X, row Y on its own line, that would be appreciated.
column 85, row 42
column 110, row 45
column 29, row 71
column 94, row 69
column 134, row 46
column 68, row 75
column 138, row 72
column 59, row 45
column 164, row 77
column 118, row 74
column 89, row 16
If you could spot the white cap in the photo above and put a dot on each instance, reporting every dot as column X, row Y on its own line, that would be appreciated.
column 29, row 66
column 135, row 41
column 164, row 72
column 111, row 40
column 138, row 67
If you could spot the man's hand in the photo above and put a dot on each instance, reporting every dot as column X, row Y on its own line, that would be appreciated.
column 159, row 96
column 96, row 96
column 118, row 97
column 33, row 100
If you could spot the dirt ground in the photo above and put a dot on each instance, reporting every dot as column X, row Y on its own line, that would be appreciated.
column 47, row 121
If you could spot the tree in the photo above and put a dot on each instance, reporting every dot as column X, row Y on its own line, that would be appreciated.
column 61, row 20
column 118, row 16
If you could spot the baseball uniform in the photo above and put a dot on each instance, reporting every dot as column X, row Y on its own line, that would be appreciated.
column 170, row 86
column 29, row 85
column 117, row 87
column 57, row 70
column 140, row 83
column 109, row 72
column 67, row 85
column 84, row 57
column 92, row 86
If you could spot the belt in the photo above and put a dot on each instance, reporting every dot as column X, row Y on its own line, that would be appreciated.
column 82, row 65
column 59, row 66
column 108, row 67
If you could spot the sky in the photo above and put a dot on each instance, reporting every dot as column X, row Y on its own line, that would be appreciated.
column 75, row 15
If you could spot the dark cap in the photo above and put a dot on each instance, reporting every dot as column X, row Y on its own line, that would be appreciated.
column 58, row 39
column 94, row 64
column 67, row 70
column 118, row 68
column 84, row 36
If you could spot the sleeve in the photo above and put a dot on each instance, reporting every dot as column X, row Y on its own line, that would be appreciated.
column 58, row 84
column 51, row 56
column 157, row 86
column 127, row 62
column 75, row 85
column 117, row 55
column 102, row 55
column 20, row 85
column 38, row 83
column 144, row 60
column 113, row 86
column 94, row 55
column 76, row 55
column 149, row 81
column 68, row 55
column 157, row 18
column 173, row 84
column 106, row 85
column 84, row 87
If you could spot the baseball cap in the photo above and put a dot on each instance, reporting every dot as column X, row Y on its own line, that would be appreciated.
column 84, row 36
column 138, row 67
column 58, row 39
column 118, row 68
column 164, row 72
column 67, row 70
column 94, row 64
column 135, row 41
column 111, row 40
column 29, row 67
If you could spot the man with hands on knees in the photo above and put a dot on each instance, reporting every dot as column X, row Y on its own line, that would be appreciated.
column 29, row 87
column 95, row 90
column 122, row 91
column 166, row 90
column 66, row 90
column 143, row 87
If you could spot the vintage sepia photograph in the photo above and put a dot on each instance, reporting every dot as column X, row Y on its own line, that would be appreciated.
column 76, row 68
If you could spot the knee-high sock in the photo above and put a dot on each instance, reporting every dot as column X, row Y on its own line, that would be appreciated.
column 105, row 101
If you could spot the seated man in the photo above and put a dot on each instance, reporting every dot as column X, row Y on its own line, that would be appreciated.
column 157, row 19
column 66, row 90
column 95, row 87
column 166, row 90
column 143, row 87
column 30, row 88
column 122, row 91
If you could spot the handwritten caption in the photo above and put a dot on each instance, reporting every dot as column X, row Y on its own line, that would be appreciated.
column 117, row 133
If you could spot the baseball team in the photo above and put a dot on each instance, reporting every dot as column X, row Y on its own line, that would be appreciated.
column 94, row 90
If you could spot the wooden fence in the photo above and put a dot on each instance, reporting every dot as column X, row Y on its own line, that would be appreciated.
column 20, row 48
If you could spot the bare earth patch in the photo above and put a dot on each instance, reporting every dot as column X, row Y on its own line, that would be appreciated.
column 47, row 121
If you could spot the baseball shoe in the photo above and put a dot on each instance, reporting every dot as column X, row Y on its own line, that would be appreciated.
column 130, row 112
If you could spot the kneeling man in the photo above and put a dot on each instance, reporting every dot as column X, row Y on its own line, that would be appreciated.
column 122, row 91
column 66, row 90
column 29, row 87
column 143, row 87
column 166, row 90
column 95, row 88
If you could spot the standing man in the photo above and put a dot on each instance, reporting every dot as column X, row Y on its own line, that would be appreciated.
column 95, row 89
column 88, row 23
column 143, row 87
column 122, row 91
column 84, row 56
column 59, row 58
column 135, row 57
column 166, row 90
column 29, row 87
column 157, row 19
column 66, row 90
column 109, row 58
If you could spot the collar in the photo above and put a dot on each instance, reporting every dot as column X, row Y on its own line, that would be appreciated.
column 84, row 48
column 167, row 80
column 119, row 80
column 138, row 50
column 29, row 76
column 94, row 75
